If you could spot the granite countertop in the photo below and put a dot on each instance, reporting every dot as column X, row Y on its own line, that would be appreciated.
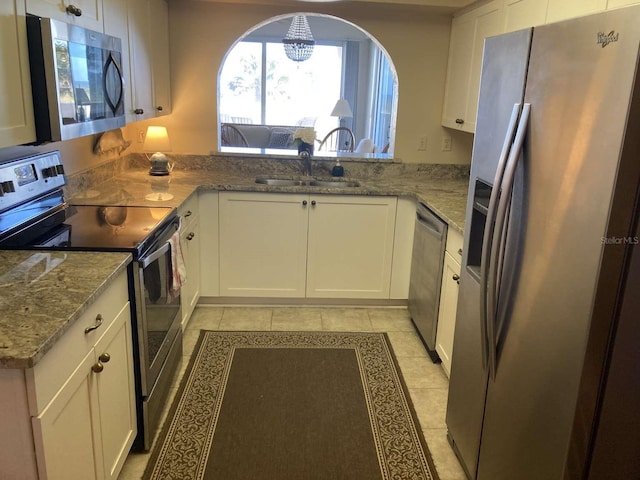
column 446, row 197
column 43, row 294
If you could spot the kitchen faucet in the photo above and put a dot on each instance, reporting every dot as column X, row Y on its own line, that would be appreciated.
column 306, row 158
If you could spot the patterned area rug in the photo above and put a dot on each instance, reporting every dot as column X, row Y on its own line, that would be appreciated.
column 291, row 406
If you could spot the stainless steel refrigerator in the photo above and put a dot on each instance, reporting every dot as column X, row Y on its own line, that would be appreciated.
column 545, row 376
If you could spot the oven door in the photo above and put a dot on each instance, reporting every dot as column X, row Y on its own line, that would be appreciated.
column 159, row 312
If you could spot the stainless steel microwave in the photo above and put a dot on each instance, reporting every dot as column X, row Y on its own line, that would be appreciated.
column 76, row 79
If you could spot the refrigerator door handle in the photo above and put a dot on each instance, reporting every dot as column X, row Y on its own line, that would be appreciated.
column 497, row 242
column 489, row 229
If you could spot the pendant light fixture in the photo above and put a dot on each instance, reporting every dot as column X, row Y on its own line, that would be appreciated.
column 298, row 42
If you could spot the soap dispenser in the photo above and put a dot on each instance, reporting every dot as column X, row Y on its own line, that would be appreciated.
column 337, row 170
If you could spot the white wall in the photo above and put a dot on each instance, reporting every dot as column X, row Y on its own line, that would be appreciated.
column 202, row 32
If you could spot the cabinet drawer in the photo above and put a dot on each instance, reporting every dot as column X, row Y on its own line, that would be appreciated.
column 454, row 244
column 50, row 373
column 188, row 210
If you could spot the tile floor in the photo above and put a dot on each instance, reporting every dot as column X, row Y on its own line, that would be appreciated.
column 426, row 381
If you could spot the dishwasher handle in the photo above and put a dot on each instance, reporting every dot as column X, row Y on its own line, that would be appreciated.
column 429, row 221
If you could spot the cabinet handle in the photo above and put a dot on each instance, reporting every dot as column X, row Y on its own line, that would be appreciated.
column 159, row 108
column 138, row 111
column 456, row 277
column 460, row 251
column 313, row 203
column 304, row 203
column 105, row 357
column 73, row 10
column 98, row 367
column 459, row 121
column 99, row 321
column 188, row 213
column 190, row 236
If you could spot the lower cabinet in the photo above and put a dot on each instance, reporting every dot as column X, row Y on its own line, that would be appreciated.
column 301, row 245
column 81, row 399
column 449, row 299
column 190, row 241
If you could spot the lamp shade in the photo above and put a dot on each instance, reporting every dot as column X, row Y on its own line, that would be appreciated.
column 156, row 140
column 342, row 109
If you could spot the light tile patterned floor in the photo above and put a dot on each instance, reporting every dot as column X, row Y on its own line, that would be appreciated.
column 427, row 383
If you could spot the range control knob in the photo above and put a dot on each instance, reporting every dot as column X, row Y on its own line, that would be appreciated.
column 60, row 169
column 49, row 172
column 7, row 187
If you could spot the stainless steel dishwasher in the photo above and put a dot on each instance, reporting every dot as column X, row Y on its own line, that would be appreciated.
column 426, row 275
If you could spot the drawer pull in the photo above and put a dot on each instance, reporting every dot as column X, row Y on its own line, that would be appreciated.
column 460, row 251
column 105, row 357
column 99, row 321
column 188, row 213
column 459, row 121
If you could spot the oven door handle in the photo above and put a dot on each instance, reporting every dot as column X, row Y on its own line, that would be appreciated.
column 149, row 259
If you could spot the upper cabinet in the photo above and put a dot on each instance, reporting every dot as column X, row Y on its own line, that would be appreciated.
column 563, row 9
column 16, row 114
column 489, row 18
column 520, row 14
column 468, row 32
column 160, row 57
column 86, row 13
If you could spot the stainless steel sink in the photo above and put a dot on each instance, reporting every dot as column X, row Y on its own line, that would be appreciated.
column 306, row 181
column 334, row 183
column 282, row 182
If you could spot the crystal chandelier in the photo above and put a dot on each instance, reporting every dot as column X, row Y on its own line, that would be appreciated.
column 298, row 42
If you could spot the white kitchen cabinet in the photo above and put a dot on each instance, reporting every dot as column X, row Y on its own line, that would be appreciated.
column 90, row 11
column 209, row 244
column 161, row 69
column 300, row 245
column 620, row 3
column 76, row 406
column 190, row 241
column 520, row 14
column 140, row 57
column 263, row 244
column 468, row 32
column 148, row 24
column 449, row 299
column 564, row 9
column 17, row 124
column 350, row 246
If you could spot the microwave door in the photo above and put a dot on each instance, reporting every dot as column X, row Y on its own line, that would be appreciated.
column 113, row 84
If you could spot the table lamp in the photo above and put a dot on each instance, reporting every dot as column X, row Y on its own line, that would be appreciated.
column 157, row 140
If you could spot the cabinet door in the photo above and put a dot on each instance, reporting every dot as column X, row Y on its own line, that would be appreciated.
column 115, row 394
column 447, row 313
column 487, row 24
column 16, row 115
column 350, row 246
column 468, row 32
column 620, row 3
column 209, row 251
column 563, row 9
column 520, row 14
column 160, row 55
column 191, row 249
column 263, row 244
column 458, row 68
column 140, row 60
column 91, row 11
column 64, row 434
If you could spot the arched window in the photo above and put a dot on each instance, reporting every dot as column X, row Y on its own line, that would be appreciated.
column 267, row 95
